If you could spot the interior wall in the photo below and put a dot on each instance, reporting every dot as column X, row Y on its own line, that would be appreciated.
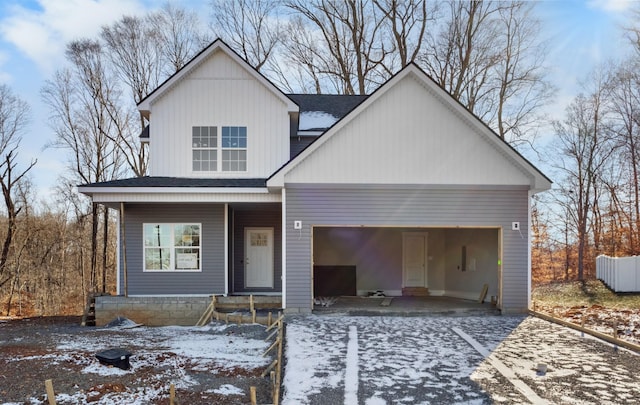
column 377, row 255
column 464, row 278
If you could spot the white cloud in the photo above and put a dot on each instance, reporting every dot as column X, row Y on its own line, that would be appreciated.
column 41, row 34
column 612, row 6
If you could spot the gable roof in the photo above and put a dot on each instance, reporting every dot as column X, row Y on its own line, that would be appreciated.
column 537, row 180
column 216, row 46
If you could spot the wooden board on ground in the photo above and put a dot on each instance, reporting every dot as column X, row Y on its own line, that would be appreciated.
column 386, row 302
column 483, row 294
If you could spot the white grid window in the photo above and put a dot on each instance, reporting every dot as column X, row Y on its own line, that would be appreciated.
column 205, row 149
column 172, row 247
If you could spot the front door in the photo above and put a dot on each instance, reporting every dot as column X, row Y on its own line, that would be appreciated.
column 414, row 259
column 258, row 263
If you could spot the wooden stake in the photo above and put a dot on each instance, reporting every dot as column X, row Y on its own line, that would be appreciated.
column 269, row 319
column 275, row 323
column 51, row 396
column 253, row 320
column 251, row 308
column 273, row 345
column 252, row 391
column 172, row 394
column 266, row 371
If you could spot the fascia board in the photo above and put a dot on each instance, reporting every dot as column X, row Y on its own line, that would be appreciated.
column 217, row 45
column 172, row 190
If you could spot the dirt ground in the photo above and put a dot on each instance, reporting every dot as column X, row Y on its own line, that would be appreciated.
column 33, row 350
column 592, row 305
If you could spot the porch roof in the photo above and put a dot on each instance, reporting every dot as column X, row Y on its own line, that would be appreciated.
column 158, row 181
column 179, row 190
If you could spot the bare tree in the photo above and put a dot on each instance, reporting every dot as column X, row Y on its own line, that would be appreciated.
column 134, row 51
column 406, row 22
column 251, row 27
column 349, row 47
column 14, row 116
column 488, row 56
column 87, row 120
column 179, row 33
column 625, row 111
column 585, row 143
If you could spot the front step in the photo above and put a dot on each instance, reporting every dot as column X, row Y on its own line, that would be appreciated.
column 415, row 292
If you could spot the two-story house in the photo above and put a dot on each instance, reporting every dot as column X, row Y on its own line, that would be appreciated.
column 252, row 190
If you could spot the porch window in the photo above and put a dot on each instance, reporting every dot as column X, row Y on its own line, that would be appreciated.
column 172, row 247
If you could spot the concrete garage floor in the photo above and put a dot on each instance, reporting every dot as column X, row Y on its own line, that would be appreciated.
column 404, row 306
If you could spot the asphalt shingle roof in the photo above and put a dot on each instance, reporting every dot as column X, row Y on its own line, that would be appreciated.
column 335, row 104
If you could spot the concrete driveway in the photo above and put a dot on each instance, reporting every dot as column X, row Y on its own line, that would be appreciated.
column 341, row 359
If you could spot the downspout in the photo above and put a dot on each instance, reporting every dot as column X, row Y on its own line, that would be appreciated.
column 124, row 251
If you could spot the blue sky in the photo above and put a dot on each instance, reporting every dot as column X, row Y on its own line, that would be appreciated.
column 33, row 34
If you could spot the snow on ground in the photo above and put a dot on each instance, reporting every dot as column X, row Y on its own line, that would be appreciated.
column 403, row 360
column 161, row 354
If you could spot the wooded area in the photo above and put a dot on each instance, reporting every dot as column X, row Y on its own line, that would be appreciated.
column 491, row 56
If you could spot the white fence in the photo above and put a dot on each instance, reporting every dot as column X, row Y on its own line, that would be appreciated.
column 621, row 274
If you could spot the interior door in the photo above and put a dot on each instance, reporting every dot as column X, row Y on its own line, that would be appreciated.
column 258, row 263
column 414, row 259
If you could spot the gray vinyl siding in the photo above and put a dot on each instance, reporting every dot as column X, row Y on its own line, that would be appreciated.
column 209, row 281
column 407, row 207
column 256, row 219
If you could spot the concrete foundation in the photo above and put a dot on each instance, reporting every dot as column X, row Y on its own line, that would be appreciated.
column 151, row 311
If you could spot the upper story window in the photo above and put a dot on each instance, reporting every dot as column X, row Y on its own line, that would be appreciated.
column 205, row 149
column 231, row 148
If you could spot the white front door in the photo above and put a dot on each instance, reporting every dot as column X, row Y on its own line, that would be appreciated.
column 414, row 259
column 258, row 263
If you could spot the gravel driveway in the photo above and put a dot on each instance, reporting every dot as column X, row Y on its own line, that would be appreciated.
column 336, row 359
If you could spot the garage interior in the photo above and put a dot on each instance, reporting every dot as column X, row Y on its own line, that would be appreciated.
column 385, row 261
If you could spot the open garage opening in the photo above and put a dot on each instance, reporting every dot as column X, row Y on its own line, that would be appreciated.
column 396, row 261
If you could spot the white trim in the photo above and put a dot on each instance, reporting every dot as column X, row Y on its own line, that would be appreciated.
column 183, row 197
column 538, row 182
column 529, row 249
column 226, row 249
column 118, row 267
column 309, row 133
column 283, row 198
column 173, row 190
column 217, row 45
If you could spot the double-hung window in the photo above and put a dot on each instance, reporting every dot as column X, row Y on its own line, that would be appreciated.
column 227, row 153
column 172, row 247
column 205, row 149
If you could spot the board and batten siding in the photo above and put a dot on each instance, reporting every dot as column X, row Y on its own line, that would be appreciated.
column 407, row 207
column 408, row 136
column 219, row 92
column 208, row 281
